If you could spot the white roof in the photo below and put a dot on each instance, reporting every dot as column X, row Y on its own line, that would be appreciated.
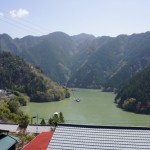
column 37, row 129
column 99, row 138
column 9, row 127
column 56, row 113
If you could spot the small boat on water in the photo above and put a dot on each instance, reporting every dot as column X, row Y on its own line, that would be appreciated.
column 77, row 100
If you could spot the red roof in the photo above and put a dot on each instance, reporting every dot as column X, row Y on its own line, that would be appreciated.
column 40, row 142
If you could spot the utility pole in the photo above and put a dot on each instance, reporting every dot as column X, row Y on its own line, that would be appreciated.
column 37, row 118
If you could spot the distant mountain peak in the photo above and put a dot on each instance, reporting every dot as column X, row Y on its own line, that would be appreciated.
column 83, row 59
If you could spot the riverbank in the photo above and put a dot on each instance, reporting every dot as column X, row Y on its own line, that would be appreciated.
column 95, row 107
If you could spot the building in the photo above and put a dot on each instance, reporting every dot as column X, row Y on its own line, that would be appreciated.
column 7, row 142
column 38, row 128
column 2, row 93
column 91, row 137
column 40, row 142
column 88, row 137
column 9, row 127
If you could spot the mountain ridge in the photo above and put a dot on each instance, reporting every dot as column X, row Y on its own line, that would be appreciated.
column 84, row 60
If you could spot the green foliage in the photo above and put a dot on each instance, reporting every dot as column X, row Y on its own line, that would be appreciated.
column 56, row 119
column 5, row 112
column 129, row 104
column 139, row 89
column 67, row 92
column 13, row 106
column 43, row 122
column 15, row 74
column 9, row 112
column 81, row 60
column 23, row 120
column 21, row 77
column 50, row 121
column 61, row 117
column 21, row 98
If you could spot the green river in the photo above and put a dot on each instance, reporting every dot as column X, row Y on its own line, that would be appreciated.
column 95, row 107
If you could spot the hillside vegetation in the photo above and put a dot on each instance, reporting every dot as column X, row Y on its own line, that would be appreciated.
column 84, row 60
column 17, row 75
column 110, row 62
column 135, row 95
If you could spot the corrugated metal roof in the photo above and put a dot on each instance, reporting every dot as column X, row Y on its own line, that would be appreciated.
column 6, row 141
column 98, row 138
column 40, row 142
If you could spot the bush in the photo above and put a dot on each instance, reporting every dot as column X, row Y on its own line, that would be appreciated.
column 56, row 119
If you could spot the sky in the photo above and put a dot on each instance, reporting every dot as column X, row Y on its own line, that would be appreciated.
column 19, row 18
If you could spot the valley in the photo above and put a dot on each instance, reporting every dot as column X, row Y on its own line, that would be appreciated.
column 95, row 107
column 80, row 61
column 83, row 60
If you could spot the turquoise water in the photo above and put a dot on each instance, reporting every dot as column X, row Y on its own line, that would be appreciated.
column 95, row 107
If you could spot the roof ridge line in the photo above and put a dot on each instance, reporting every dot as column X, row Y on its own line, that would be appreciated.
column 106, row 126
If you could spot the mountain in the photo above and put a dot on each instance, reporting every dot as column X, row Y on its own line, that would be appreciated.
column 113, row 62
column 52, row 53
column 17, row 75
column 89, row 65
column 84, row 60
column 7, row 44
column 136, row 58
column 135, row 95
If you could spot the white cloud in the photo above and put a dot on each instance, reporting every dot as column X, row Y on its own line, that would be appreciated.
column 1, row 14
column 19, row 13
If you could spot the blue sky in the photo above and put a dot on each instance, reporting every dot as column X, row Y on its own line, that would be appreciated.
column 19, row 18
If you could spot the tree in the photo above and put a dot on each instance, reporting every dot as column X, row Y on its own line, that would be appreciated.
column 13, row 106
column 61, row 117
column 23, row 120
column 43, row 122
column 50, row 121
column 56, row 119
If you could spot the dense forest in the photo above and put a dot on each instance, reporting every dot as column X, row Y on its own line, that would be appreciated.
column 17, row 75
column 135, row 95
column 84, row 60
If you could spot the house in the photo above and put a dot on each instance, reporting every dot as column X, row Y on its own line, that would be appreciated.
column 2, row 93
column 38, row 128
column 92, row 137
column 7, row 142
column 40, row 142
column 9, row 127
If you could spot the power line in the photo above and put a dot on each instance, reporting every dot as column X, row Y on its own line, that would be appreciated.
column 25, row 24
column 18, row 26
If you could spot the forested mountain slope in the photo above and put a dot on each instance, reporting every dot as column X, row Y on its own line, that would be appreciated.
column 135, row 95
column 114, row 62
column 52, row 53
column 84, row 60
column 17, row 75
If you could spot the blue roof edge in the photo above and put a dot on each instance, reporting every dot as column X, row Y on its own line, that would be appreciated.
column 13, row 137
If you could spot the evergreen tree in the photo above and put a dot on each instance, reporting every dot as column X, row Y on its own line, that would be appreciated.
column 43, row 122
column 61, row 117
